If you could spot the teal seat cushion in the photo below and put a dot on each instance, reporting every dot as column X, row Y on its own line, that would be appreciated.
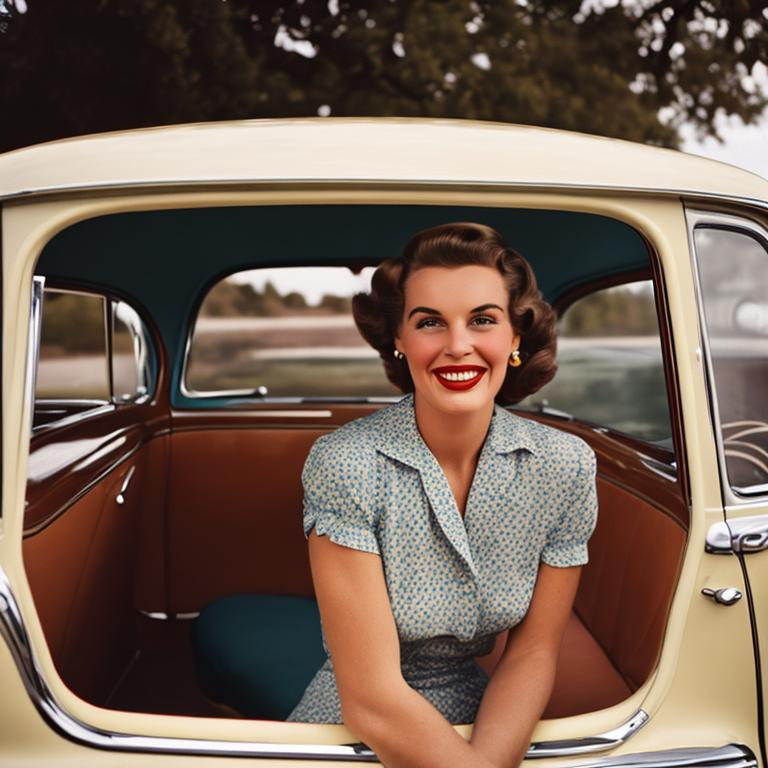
column 257, row 653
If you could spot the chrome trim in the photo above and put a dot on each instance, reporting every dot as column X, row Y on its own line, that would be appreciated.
column 130, row 318
column 120, row 498
column 163, row 616
column 598, row 743
column 14, row 632
column 729, row 756
column 100, row 407
column 723, row 596
column 739, row 534
column 33, row 346
column 695, row 218
column 295, row 414
column 365, row 185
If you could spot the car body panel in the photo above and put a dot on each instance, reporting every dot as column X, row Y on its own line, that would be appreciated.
column 382, row 150
column 707, row 651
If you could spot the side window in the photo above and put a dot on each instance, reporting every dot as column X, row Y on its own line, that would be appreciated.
column 610, row 369
column 733, row 282
column 93, row 351
column 72, row 362
column 284, row 333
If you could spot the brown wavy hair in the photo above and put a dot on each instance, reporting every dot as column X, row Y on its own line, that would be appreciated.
column 379, row 314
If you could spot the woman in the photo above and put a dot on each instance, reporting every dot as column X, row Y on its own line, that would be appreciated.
column 438, row 522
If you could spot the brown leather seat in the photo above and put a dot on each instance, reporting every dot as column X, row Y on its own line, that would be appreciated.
column 614, row 634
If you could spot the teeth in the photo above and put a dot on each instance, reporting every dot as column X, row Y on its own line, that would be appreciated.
column 465, row 376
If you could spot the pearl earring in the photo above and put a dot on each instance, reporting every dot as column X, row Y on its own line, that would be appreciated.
column 514, row 359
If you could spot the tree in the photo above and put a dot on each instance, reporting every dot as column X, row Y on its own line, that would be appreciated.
column 636, row 70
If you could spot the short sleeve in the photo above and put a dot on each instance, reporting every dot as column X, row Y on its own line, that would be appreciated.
column 566, row 543
column 336, row 503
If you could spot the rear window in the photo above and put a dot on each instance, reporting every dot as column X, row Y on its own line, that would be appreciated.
column 285, row 333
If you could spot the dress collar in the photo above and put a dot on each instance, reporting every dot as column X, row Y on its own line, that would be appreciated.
column 401, row 440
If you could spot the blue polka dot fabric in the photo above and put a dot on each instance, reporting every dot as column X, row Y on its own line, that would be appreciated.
column 454, row 583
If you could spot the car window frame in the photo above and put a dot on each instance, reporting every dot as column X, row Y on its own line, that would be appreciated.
column 98, row 406
column 701, row 217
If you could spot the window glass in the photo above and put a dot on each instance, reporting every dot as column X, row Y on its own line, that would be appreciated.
column 285, row 332
column 610, row 369
column 72, row 363
column 733, row 275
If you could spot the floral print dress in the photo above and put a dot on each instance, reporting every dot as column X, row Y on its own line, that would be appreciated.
column 454, row 583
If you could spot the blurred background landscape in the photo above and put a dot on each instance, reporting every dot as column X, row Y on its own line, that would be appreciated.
column 683, row 74
column 678, row 73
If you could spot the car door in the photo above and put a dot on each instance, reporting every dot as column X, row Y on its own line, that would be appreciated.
column 731, row 254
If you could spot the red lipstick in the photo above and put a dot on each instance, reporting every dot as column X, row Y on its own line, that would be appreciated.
column 459, row 380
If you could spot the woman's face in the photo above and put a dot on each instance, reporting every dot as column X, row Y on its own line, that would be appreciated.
column 456, row 335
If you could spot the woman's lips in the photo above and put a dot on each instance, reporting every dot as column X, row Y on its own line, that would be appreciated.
column 459, row 377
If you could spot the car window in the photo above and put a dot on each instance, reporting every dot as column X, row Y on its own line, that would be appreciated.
column 285, row 333
column 93, row 351
column 733, row 279
column 72, row 362
column 610, row 369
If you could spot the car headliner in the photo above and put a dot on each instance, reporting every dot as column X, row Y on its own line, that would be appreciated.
column 365, row 149
column 165, row 261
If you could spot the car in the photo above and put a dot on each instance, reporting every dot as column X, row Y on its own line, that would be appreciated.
column 176, row 333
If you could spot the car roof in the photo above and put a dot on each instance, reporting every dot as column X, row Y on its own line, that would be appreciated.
column 366, row 149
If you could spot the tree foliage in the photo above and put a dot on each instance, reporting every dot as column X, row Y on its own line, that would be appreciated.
column 635, row 69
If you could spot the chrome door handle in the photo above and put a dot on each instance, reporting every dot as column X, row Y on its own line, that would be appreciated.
column 724, row 596
column 743, row 534
column 120, row 498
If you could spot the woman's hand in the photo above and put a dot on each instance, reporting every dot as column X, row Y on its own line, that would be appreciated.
column 378, row 706
column 522, row 682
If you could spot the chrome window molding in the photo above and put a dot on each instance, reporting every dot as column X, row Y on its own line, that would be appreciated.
column 373, row 184
column 696, row 218
column 121, row 311
column 13, row 631
column 98, row 408
column 728, row 756
column 33, row 345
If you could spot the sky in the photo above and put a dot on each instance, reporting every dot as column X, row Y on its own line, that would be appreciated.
column 745, row 146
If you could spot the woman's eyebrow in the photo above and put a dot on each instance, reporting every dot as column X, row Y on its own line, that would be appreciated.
column 483, row 307
column 425, row 310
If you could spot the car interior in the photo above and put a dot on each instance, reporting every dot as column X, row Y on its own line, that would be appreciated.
column 163, row 540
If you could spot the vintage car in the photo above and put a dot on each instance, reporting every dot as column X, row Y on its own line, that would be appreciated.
column 176, row 333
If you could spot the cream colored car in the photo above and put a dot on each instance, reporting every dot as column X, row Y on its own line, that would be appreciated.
column 176, row 334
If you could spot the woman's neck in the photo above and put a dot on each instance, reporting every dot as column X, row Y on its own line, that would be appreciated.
column 455, row 439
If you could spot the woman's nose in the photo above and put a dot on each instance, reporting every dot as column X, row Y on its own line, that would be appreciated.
column 458, row 342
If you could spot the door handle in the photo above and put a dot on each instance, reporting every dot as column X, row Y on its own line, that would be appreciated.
column 120, row 498
column 744, row 534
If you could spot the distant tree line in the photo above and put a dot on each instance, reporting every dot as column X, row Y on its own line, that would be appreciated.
column 230, row 299
column 635, row 70
column 612, row 312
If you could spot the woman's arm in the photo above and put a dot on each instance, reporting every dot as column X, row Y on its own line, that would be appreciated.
column 378, row 706
column 522, row 682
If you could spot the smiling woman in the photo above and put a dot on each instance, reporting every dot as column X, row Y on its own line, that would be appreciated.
column 452, row 313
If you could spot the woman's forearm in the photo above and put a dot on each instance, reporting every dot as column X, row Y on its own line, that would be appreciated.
column 512, row 704
column 406, row 731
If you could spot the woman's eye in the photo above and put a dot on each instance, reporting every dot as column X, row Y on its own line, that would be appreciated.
column 483, row 320
column 428, row 322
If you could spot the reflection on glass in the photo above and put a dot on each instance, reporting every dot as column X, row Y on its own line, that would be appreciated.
column 130, row 363
column 610, row 369
column 73, row 347
column 289, row 330
column 733, row 273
